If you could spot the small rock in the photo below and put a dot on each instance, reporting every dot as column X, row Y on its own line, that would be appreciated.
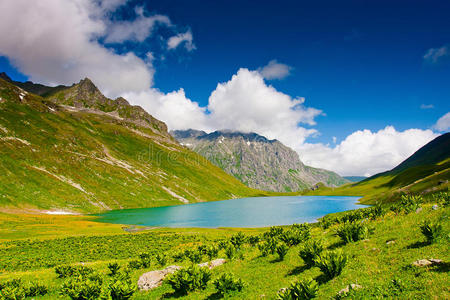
column 214, row 263
column 427, row 262
column 390, row 242
column 349, row 287
column 418, row 210
column 153, row 279
column 435, row 207
column 375, row 249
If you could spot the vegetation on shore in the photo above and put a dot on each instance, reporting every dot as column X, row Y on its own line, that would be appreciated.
column 380, row 260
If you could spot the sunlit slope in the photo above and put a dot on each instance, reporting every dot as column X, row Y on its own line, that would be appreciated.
column 427, row 170
column 88, row 161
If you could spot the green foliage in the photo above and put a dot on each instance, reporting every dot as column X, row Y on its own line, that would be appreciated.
column 12, row 290
column 264, row 248
column 162, row 259
column 253, row 240
column 304, row 289
column 189, row 279
column 227, row 283
column 145, row 259
column 238, row 240
column 372, row 213
column 273, row 232
column 408, row 204
column 432, row 231
column 121, row 287
column 212, row 251
column 442, row 198
column 282, row 249
column 22, row 255
column 68, row 271
column 331, row 263
column 296, row 234
column 352, row 232
column 310, row 251
column 134, row 264
column 195, row 256
column 35, row 289
column 113, row 268
column 178, row 256
column 230, row 251
column 83, row 287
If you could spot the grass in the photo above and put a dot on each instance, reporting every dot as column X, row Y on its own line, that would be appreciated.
column 372, row 263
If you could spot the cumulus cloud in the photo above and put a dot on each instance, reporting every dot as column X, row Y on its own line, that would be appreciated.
column 443, row 124
column 54, row 42
column 178, row 111
column 437, row 55
column 365, row 152
column 247, row 103
column 136, row 30
column 181, row 38
column 275, row 70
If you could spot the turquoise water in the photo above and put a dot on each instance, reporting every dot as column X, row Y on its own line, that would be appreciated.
column 245, row 212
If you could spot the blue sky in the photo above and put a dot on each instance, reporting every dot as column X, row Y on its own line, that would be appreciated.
column 360, row 62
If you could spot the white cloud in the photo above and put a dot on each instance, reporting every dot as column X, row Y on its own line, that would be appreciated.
column 181, row 38
column 443, row 124
column 426, row 106
column 436, row 55
column 365, row 152
column 136, row 30
column 247, row 104
column 175, row 109
column 275, row 70
column 54, row 42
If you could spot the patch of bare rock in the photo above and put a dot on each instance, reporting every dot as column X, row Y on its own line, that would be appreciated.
column 154, row 279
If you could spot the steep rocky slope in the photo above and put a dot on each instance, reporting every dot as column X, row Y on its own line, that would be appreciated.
column 78, row 151
column 256, row 161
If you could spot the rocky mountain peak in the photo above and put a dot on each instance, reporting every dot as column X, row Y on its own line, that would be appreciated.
column 88, row 85
column 255, row 160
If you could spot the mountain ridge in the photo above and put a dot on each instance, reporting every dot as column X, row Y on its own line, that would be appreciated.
column 255, row 160
column 82, row 159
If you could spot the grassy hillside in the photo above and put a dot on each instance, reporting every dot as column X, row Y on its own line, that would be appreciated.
column 54, row 158
column 426, row 171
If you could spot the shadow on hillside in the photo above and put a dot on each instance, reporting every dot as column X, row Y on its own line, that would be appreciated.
column 322, row 279
column 441, row 268
column 214, row 296
column 336, row 245
column 417, row 245
column 297, row 270
column 172, row 295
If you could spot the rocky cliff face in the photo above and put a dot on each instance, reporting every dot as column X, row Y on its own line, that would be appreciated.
column 256, row 161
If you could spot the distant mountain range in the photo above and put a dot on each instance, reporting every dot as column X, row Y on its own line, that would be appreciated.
column 71, row 148
column 424, row 172
column 257, row 161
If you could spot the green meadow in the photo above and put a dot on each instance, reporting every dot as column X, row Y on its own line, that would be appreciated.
column 380, row 260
